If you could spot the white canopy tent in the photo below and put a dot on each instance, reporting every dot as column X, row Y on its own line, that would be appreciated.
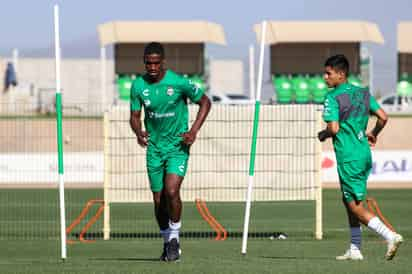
column 160, row 31
column 324, row 32
column 320, row 31
column 405, row 37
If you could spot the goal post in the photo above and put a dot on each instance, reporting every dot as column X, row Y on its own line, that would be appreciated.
column 318, row 181
column 287, row 166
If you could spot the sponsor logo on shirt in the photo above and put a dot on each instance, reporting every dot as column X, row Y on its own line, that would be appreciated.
column 156, row 115
column 146, row 102
column 145, row 92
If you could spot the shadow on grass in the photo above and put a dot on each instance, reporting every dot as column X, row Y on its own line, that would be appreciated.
column 127, row 259
column 295, row 258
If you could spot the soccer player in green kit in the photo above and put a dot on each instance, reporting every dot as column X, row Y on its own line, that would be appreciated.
column 163, row 94
column 346, row 112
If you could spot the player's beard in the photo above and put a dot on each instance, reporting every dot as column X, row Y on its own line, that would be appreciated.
column 155, row 76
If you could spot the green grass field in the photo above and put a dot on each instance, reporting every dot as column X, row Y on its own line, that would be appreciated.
column 29, row 237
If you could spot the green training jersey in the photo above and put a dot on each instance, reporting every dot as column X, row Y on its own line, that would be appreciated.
column 165, row 107
column 350, row 106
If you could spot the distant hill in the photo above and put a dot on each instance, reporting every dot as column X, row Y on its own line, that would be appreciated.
column 86, row 47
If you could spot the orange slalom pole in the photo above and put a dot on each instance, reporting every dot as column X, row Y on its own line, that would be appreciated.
column 81, row 216
column 90, row 223
column 77, row 221
column 206, row 218
column 213, row 219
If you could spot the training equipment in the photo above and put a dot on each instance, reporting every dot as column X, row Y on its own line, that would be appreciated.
column 59, row 115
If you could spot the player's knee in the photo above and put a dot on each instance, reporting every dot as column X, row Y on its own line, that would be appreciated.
column 172, row 193
column 156, row 199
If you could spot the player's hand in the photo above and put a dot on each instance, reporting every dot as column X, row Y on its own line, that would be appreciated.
column 371, row 139
column 142, row 138
column 189, row 137
column 322, row 135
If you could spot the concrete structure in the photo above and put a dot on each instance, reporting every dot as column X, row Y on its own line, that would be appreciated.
column 226, row 76
column 81, row 83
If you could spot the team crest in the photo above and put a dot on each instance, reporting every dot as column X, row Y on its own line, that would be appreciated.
column 170, row 91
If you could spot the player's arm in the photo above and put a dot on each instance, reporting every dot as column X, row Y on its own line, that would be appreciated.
column 331, row 117
column 196, row 95
column 135, row 116
column 377, row 111
column 204, row 108
column 331, row 130
column 136, row 125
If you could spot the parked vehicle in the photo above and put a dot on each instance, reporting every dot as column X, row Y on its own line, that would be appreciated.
column 393, row 103
column 231, row 99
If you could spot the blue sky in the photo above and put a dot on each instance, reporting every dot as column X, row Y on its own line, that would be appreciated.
column 28, row 25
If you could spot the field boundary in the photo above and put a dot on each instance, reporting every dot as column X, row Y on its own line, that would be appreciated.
column 384, row 185
column 86, row 185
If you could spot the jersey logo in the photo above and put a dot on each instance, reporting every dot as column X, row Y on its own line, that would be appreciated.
column 326, row 109
column 170, row 91
column 145, row 92
column 182, row 167
column 195, row 86
column 146, row 102
column 359, row 195
column 195, row 89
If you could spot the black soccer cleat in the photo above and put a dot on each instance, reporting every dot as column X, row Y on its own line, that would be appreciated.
column 173, row 251
column 163, row 257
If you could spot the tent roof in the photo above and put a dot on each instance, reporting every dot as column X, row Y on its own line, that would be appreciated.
column 320, row 31
column 405, row 37
column 160, row 31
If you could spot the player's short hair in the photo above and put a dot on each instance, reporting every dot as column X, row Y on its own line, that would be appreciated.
column 338, row 62
column 154, row 48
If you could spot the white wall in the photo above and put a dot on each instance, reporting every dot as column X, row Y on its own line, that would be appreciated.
column 80, row 78
column 226, row 76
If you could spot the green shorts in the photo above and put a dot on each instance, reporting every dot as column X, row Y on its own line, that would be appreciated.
column 353, row 178
column 162, row 162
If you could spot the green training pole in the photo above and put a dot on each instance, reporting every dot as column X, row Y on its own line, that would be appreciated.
column 59, row 134
column 254, row 138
